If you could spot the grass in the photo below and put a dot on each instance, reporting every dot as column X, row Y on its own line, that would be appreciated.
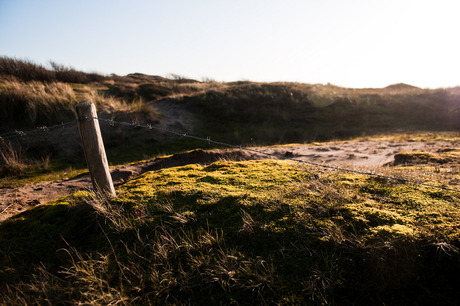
column 233, row 232
column 35, row 103
column 27, row 70
column 25, row 105
column 240, row 113
column 10, row 159
column 40, row 172
column 263, row 232
column 291, row 112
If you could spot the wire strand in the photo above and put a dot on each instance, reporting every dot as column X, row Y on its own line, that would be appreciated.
column 278, row 156
column 39, row 129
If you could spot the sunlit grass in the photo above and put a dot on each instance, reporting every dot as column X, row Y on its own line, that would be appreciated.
column 240, row 113
column 256, row 231
column 259, row 232
column 38, row 175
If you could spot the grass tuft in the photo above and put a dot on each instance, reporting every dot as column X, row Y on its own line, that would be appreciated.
column 11, row 161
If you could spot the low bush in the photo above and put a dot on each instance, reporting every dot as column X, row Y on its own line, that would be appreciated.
column 26, row 70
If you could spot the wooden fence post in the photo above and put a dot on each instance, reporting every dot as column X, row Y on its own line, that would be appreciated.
column 93, row 147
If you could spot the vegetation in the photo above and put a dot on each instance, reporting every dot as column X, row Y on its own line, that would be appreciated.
column 287, row 112
column 33, row 96
column 236, row 232
column 242, row 113
column 259, row 232
column 25, row 70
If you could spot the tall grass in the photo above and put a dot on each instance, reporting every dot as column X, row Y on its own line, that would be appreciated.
column 37, row 103
column 70, row 75
column 244, row 113
column 11, row 159
column 34, row 103
column 27, row 105
column 25, row 70
column 149, row 88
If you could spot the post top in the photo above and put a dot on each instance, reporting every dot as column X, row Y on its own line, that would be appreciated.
column 83, row 104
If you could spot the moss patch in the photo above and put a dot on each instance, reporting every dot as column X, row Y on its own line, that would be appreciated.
column 264, row 231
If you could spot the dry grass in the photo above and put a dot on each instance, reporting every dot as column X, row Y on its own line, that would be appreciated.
column 261, row 231
column 291, row 112
column 11, row 160
column 240, row 232
column 118, row 108
column 26, row 71
column 35, row 103
column 25, row 105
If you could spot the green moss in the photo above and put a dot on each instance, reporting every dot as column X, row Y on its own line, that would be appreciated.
column 243, row 230
column 38, row 234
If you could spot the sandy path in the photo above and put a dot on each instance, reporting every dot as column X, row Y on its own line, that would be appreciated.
column 368, row 154
column 351, row 154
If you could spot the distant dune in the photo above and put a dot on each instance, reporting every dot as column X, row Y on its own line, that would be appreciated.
column 400, row 86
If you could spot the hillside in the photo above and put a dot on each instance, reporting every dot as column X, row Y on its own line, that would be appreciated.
column 223, row 227
column 239, row 113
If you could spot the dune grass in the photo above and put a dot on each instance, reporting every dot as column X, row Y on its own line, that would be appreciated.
column 263, row 232
column 271, row 113
column 35, row 103
column 240, row 113
column 26, row 70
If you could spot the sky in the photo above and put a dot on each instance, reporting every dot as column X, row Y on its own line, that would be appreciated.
column 349, row 43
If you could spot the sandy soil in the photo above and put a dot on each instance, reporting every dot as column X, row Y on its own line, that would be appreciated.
column 362, row 154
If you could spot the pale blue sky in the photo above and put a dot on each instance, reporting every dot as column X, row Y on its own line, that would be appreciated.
column 352, row 43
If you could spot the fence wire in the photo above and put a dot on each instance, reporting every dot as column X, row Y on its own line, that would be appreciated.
column 37, row 130
column 275, row 155
column 111, row 122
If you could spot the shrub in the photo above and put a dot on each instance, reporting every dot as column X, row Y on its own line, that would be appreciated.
column 25, row 70
column 70, row 75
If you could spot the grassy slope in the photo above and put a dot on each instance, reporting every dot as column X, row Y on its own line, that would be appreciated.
column 290, row 112
column 264, row 231
column 239, row 113
column 246, row 232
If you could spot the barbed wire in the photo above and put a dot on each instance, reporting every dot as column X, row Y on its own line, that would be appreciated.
column 111, row 122
column 275, row 155
column 39, row 129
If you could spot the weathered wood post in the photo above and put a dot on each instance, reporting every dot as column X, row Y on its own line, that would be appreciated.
column 93, row 147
